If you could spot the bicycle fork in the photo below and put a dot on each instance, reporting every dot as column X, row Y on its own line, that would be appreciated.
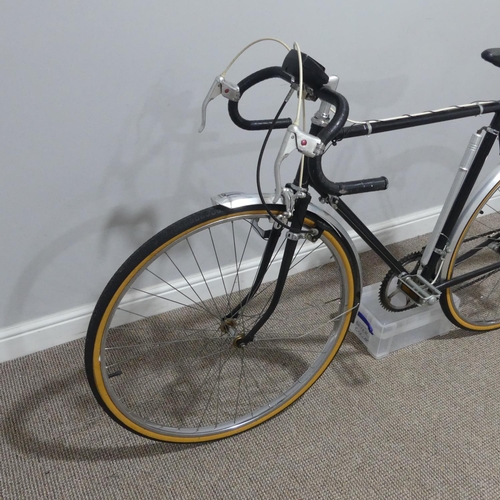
column 272, row 241
column 296, row 223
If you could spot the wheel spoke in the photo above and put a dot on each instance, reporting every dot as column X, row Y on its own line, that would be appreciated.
column 203, row 277
column 221, row 366
column 170, row 300
column 161, row 344
column 189, row 284
column 172, row 370
column 219, row 267
column 473, row 304
column 306, row 255
column 180, row 363
column 242, row 352
column 179, row 291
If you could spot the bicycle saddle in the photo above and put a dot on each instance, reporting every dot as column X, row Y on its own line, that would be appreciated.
column 492, row 56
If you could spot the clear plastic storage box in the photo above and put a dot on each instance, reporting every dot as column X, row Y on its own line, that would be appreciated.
column 393, row 331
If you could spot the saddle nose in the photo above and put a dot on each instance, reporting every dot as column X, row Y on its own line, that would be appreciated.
column 492, row 56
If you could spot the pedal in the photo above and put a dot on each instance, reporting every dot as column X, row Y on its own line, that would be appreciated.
column 418, row 289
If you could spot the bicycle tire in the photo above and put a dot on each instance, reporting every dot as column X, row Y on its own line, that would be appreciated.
column 475, row 304
column 150, row 361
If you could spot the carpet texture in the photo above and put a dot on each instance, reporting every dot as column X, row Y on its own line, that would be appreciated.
column 421, row 423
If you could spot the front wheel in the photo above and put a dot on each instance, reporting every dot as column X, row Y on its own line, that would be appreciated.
column 161, row 355
column 475, row 304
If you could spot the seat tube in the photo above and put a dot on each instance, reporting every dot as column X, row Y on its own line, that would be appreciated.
column 463, row 169
column 457, row 203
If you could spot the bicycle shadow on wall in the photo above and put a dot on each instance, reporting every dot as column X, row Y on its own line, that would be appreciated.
column 145, row 145
column 83, row 432
column 174, row 155
column 369, row 156
column 170, row 158
column 341, row 166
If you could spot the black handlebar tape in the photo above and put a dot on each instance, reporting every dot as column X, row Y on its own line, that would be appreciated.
column 244, row 85
column 326, row 134
column 326, row 187
column 492, row 56
column 317, row 178
column 362, row 186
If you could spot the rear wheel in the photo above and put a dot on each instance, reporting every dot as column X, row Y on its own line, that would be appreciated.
column 475, row 304
column 161, row 355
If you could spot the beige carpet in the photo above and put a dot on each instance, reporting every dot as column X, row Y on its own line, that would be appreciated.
column 423, row 422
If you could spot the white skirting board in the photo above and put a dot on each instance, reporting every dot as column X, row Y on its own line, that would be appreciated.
column 49, row 331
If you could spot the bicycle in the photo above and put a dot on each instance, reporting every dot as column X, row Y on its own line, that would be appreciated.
column 216, row 324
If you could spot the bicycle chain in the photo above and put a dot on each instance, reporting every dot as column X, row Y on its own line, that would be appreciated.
column 481, row 278
column 477, row 280
column 472, row 238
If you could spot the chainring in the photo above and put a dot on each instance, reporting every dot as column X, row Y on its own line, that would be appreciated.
column 391, row 297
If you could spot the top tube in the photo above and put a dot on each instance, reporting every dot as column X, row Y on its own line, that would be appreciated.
column 406, row 121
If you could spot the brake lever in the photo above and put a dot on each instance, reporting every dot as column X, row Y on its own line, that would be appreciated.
column 219, row 87
column 306, row 144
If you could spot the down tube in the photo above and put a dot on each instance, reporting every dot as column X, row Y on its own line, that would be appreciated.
column 367, row 236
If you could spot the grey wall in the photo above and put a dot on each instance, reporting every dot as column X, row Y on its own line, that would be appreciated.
column 100, row 108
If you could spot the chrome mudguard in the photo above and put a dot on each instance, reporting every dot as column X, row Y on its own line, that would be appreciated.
column 237, row 199
column 475, row 198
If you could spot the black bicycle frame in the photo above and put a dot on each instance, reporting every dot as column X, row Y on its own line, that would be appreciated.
column 491, row 134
